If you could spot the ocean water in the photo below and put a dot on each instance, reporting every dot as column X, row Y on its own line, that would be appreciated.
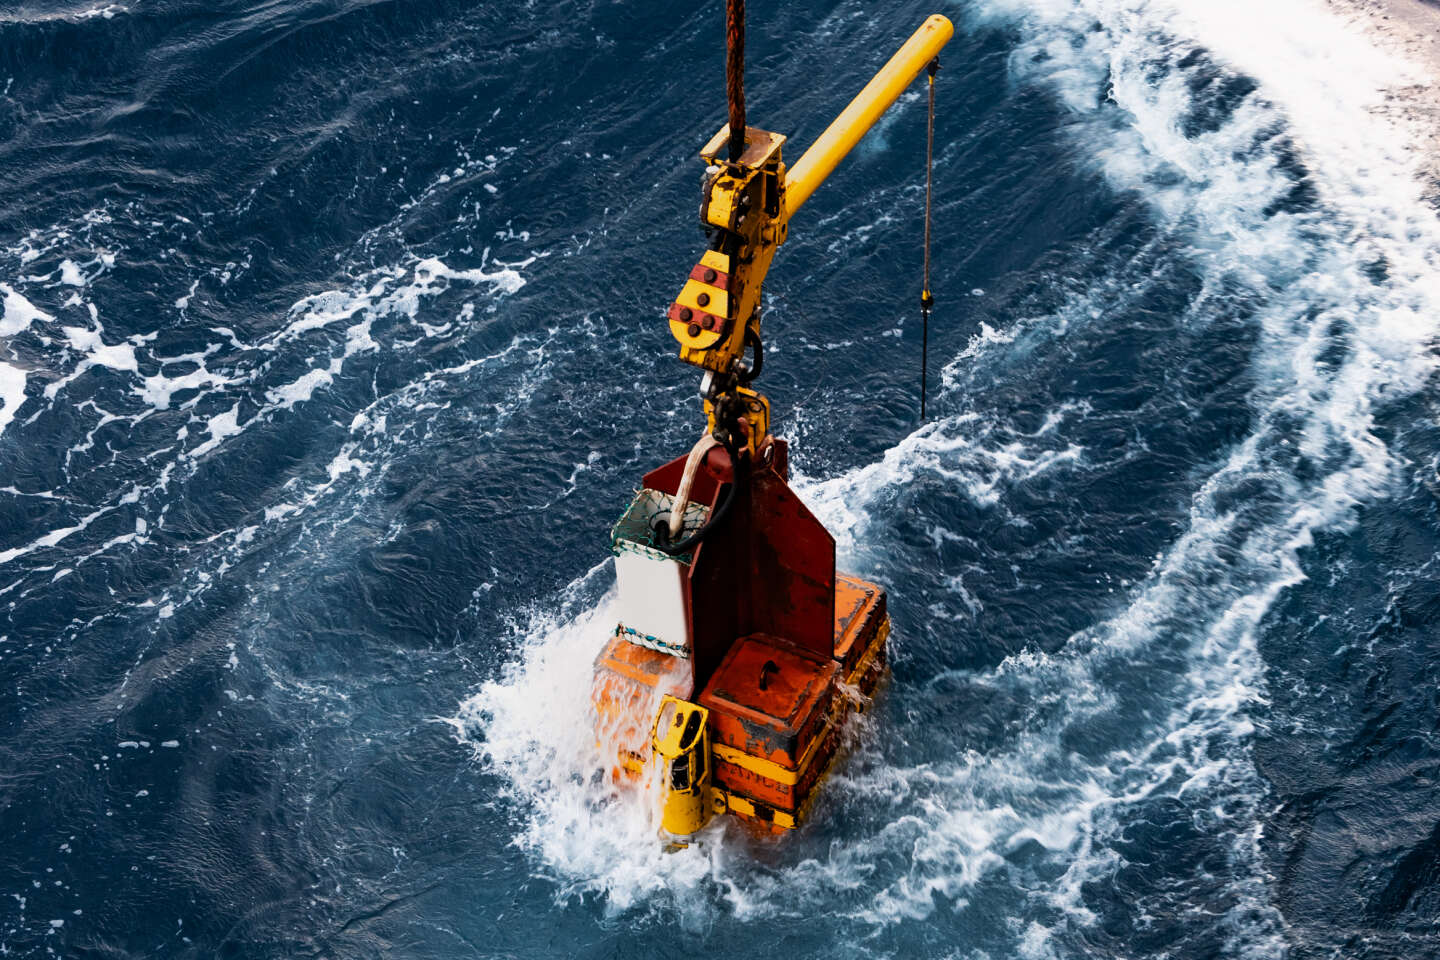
column 332, row 346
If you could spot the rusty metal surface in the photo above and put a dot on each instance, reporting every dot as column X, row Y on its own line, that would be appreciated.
column 638, row 664
column 859, row 610
column 781, row 461
column 778, row 721
column 761, row 147
column 623, row 691
column 851, row 597
column 782, row 796
column 789, row 691
column 719, row 583
column 792, row 575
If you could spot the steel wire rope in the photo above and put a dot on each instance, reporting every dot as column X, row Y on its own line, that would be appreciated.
column 735, row 75
column 927, row 299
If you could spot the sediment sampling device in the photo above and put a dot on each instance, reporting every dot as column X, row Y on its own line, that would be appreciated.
column 740, row 654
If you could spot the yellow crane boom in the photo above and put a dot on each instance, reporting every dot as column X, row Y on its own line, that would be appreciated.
column 869, row 105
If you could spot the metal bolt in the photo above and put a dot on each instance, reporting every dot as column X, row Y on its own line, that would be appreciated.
column 693, row 330
column 703, row 299
column 685, row 314
column 710, row 275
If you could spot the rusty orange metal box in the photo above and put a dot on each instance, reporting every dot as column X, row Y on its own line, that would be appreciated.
column 769, row 703
column 861, row 626
column 770, row 697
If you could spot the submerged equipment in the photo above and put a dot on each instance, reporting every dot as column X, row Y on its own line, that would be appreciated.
column 740, row 653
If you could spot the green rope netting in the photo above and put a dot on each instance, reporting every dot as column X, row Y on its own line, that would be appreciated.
column 635, row 530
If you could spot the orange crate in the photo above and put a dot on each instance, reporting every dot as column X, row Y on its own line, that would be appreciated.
column 778, row 725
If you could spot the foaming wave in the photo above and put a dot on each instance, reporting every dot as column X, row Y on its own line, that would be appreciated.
column 534, row 726
column 1303, row 195
column 227, row 388
column 77, row 14
column 966, row 450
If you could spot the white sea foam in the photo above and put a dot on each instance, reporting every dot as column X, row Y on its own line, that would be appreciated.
column 301, row 390
column 54, row 537
column 229, row 384
column 388, row 295
column 962, row 450
column 395, row 290
column 183, row 303
column 158, row 389
column 361, row 453
column 19, row 312
column 120, row 356
column 12, row 393
column 107, row 12
column 534, row 726
column 219, row 427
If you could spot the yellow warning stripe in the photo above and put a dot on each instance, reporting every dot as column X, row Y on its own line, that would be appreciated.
column 768, row 769
column 746, row 807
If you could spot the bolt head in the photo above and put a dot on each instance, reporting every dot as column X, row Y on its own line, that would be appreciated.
column 693, row 330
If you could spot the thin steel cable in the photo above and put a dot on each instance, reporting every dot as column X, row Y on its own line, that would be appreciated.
column 927, row 300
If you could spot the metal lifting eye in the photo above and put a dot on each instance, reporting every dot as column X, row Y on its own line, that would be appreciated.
column 770, row 667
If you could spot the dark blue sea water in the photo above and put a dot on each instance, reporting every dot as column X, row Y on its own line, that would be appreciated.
column 332, row 346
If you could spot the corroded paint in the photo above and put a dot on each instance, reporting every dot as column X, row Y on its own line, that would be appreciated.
column 792, row 723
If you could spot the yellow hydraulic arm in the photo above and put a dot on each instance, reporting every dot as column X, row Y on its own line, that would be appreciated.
column 748, row 202
column 855, row 120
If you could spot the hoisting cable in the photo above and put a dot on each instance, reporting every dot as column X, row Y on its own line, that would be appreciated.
column 735, row 74
column 927, row 299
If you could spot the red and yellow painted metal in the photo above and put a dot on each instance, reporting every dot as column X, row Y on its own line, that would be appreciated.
column 738, row 662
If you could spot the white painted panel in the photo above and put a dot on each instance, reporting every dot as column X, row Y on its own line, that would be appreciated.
column 652, row 601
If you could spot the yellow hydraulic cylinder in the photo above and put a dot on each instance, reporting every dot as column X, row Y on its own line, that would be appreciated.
column 681, row 740
column 855, row 121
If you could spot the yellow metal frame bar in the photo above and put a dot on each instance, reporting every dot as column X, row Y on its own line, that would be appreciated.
column 746, row 808
column 768, row 769
column 856, row 119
